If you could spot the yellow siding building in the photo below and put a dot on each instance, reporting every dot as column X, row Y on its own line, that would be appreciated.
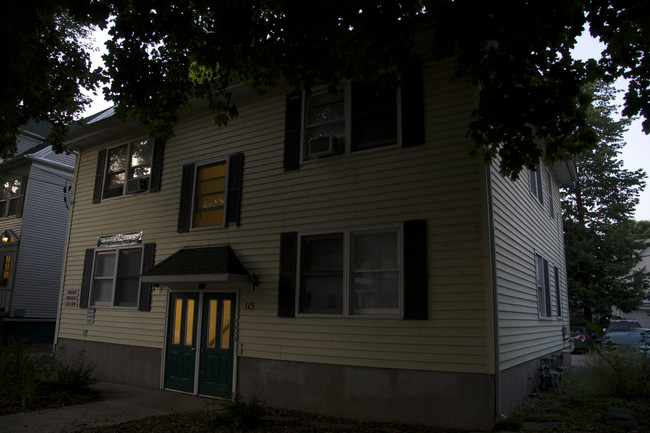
column 332, row 252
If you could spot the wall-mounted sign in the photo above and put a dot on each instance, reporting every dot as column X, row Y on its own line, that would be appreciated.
column 71, row 298
column 119, row 240
column 90, row 316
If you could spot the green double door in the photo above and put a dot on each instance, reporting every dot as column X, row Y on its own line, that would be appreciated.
column 200, row 339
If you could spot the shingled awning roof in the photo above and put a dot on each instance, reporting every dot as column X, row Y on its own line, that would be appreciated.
column 200, row 265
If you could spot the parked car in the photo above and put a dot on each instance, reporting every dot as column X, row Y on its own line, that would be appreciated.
column 622, row 325
column 582, row 338
column 638, row 338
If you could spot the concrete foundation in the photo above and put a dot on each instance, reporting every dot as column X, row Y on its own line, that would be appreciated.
column 521, row 381
column 117, row 363
column 451, row 400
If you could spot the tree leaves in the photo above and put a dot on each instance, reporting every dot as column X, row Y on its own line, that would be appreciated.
column 46, row 66
column 164, row 55
column 601, row 249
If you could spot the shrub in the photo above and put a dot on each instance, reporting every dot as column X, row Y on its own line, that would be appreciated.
column 240, row 414
column 73, row 372
column 29, row 380
column 22, row 373
column 620, row 371
column 514, row 422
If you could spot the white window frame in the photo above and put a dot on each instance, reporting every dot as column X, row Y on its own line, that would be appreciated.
column 115, row 252
column 543, row 286
column 347, row 309
column 197, row 167
column 7, row 196
column 347, row 107
column 127, row 169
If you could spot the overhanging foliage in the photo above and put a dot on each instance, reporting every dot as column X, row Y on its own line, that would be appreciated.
column 517, row 53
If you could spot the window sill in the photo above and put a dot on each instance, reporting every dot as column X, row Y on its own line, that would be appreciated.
column 350, row 154
column 350, row 316
column 112, row 307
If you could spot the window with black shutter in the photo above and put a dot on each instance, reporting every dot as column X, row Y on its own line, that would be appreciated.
column 211, row 194
column 376, row 272
column 131, row 168
column 353, row 117
column 111, row 277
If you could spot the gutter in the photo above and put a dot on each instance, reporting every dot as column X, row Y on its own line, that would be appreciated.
column 498, row 415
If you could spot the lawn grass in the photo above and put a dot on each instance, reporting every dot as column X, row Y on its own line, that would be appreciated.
column 578, row 405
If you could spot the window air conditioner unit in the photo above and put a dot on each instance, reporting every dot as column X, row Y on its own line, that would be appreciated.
column 139, row 184
column 322, row 146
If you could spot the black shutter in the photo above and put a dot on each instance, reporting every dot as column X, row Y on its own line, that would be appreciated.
column 415, row 270
column 235, row 179
column 21, row 199
column 185, row 207
column 87, row 278
column 288, row 269
column 145, row 288
column 292, row 126
column 99, row 176
column 413, row 105
column 156, row 165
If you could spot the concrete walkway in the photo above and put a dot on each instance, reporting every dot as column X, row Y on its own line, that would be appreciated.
column 121, row 403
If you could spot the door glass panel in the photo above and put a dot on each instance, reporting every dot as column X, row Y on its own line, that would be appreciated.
column 178, row 313
column 212, row 324
column 189, row 322
column 225, row 325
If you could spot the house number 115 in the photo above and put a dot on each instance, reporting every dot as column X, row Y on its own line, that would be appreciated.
column 249, row 306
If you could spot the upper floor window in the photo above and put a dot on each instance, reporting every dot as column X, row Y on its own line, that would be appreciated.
column 535, row 177
column 130, row 168
column 354, row 117
column 551, row 207
column 211, row 194
column 12, row 197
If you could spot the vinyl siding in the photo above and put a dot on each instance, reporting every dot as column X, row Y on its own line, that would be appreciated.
column 26, row 142
column 60, row 158
column 523, row 228
column 437, row 182
column 40, row 258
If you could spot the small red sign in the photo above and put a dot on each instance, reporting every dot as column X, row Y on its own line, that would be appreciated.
column 72, row 298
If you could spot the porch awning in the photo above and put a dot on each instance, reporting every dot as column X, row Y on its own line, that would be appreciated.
column 198, row 265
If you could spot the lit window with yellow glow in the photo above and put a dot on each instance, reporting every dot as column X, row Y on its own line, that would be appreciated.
column 210, row 195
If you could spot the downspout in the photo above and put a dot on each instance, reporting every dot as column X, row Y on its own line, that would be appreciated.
column 498, row 415
column 74, row 179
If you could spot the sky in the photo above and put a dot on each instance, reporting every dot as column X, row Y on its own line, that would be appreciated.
column 635, row 155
